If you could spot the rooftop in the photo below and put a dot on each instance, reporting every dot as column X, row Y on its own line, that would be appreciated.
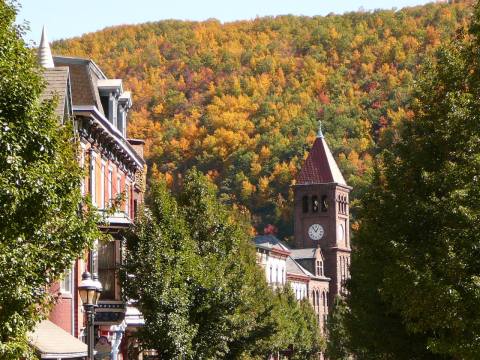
column 270, row 242
column 320, row 166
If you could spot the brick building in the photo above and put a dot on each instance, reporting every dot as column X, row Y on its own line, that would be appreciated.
column 318, row 265
column 114, row 179
column 321, row 217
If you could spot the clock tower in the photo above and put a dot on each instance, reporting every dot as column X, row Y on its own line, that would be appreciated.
column 321, row 210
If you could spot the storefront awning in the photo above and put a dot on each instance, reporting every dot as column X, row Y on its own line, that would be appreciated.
column 52, row 342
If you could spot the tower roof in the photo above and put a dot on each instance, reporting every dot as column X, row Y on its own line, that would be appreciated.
column 44, row 53
column 320, row 166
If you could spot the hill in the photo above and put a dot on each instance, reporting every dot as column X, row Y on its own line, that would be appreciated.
column 241, row 101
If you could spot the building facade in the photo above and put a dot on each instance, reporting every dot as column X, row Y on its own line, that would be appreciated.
column 321, row 216
column 317, row 267
column 114, row 183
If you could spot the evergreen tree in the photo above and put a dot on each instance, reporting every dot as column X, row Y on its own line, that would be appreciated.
column 415, row 284
column 42, row 229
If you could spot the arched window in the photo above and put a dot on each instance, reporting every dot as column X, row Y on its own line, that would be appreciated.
column 324, row 203
column 314, row 203
column 283, row 276
column 276, row 276
column 305, row 204
column 271, row 274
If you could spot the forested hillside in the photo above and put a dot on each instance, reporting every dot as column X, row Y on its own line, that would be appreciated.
column 241, row 101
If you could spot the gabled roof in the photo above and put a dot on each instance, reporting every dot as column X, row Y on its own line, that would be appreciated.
column 308, row 253
column 271, row 243
column 295, row 268
column 57, row 84
column 320, row 166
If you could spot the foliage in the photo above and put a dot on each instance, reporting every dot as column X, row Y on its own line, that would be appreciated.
column 42, row 229
column 192, row 271
column 416, row 265
column 338, row 336
column 241, row 101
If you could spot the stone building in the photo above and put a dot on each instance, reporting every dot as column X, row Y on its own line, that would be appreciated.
column 114, row 179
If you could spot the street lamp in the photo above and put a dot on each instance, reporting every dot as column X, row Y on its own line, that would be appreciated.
column 90, row 289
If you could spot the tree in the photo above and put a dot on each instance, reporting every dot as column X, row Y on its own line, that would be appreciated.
column 338, row 337
column 242, row 101
column 415, row 272
column 43, row 229
column 192, row 271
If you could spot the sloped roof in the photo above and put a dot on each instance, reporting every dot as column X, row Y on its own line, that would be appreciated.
column 270, row 242
column 52, row 341
column 84, row 75
column 295, row 268
column 308, row 253
column 57, row 85
column 320, row 166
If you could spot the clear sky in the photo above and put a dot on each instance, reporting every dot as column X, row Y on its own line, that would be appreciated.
column 68, row 18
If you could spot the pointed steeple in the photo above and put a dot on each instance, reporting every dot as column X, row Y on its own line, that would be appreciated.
column 320, row 166
column 44, row 53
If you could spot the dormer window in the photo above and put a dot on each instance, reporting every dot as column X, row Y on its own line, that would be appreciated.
column 124, row 104
column 115, row 102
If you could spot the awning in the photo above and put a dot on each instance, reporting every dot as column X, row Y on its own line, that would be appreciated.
column 52, row 342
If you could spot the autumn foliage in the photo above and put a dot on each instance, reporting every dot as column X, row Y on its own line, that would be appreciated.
column 241, row 101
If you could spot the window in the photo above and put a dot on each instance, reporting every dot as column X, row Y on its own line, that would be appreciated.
column 314, row 204
column 319, row 268
column 93, row 176
column 110, row 185
column 324, row 203
column 127, row 200
column 119, row 185
column 82, row 165
column 271, row 274
column 283, row 276
column 305, row 204
column 276, row 274
column 107, row 268
column 102, row 186
column 66, row 282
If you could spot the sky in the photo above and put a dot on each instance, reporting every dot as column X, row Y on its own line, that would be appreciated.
column 68, row 18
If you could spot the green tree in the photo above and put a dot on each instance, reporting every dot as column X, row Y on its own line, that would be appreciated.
column 43, row 229
column 415, row 285
column 338, row 337
column 191, row 268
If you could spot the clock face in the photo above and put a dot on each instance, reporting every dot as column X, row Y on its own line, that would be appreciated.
column 316, row 231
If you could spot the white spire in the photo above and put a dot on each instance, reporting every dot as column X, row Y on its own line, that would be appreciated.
column 44, row 53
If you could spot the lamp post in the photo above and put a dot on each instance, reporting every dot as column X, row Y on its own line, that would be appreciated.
column 90, row 289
